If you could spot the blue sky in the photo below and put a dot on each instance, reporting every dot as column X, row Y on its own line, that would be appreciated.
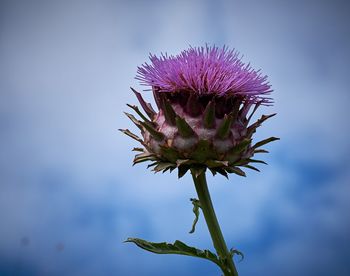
column 69, row 195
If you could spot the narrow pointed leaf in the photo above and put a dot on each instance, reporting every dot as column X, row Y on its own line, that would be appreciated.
column 255, row 108
column 141, row 160
column 134, row 120
column 244, row 111
column 177, row 247
column 137, row 110
column 235, row 170
column 251, row 129
column 142, row 157
column 209, row 115
column 146, row 106
column 251, row 167
column 212, row 170
column 184, row 129
column 132, row 135
column 256, row 161
column 162, row 166
column 260, row 151
column 264, row 142
column 222, row 172
column 138, row 149
column 152, row 164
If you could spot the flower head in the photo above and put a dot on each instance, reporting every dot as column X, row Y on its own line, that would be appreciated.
column 205, row 70
column 204, row 97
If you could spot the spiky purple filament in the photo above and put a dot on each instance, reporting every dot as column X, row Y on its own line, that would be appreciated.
column 205, row 70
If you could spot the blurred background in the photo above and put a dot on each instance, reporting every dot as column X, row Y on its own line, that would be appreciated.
column 69, row 196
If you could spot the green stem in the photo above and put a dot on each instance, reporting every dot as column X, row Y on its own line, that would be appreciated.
column 200, row 183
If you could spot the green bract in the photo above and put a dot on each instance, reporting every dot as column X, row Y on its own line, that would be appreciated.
column 198, row 132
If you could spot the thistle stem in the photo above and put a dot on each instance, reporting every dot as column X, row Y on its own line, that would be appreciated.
column 200, row 183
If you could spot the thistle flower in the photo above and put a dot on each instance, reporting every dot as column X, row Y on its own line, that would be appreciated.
column 206, row 98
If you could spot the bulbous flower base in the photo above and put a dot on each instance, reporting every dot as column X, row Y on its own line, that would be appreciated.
column 198, row 132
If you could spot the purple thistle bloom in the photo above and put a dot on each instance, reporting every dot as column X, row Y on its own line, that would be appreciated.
column 205, row 70
column 204, row 97
column 203, row 123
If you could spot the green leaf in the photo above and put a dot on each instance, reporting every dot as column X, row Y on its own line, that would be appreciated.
column 251, row 167
column 152, row 164
column 260, row 151
column 196, row 206
column 137, row 110
column 221, row 171
column 142, row 157
column 177, row 247
column 134, row 120
column 256, row 161
column 255, row 108
column 235, row 170
column 252, row 128
column 213, row 171
column 132, row 135
column 265, row 141
column 163, row 166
